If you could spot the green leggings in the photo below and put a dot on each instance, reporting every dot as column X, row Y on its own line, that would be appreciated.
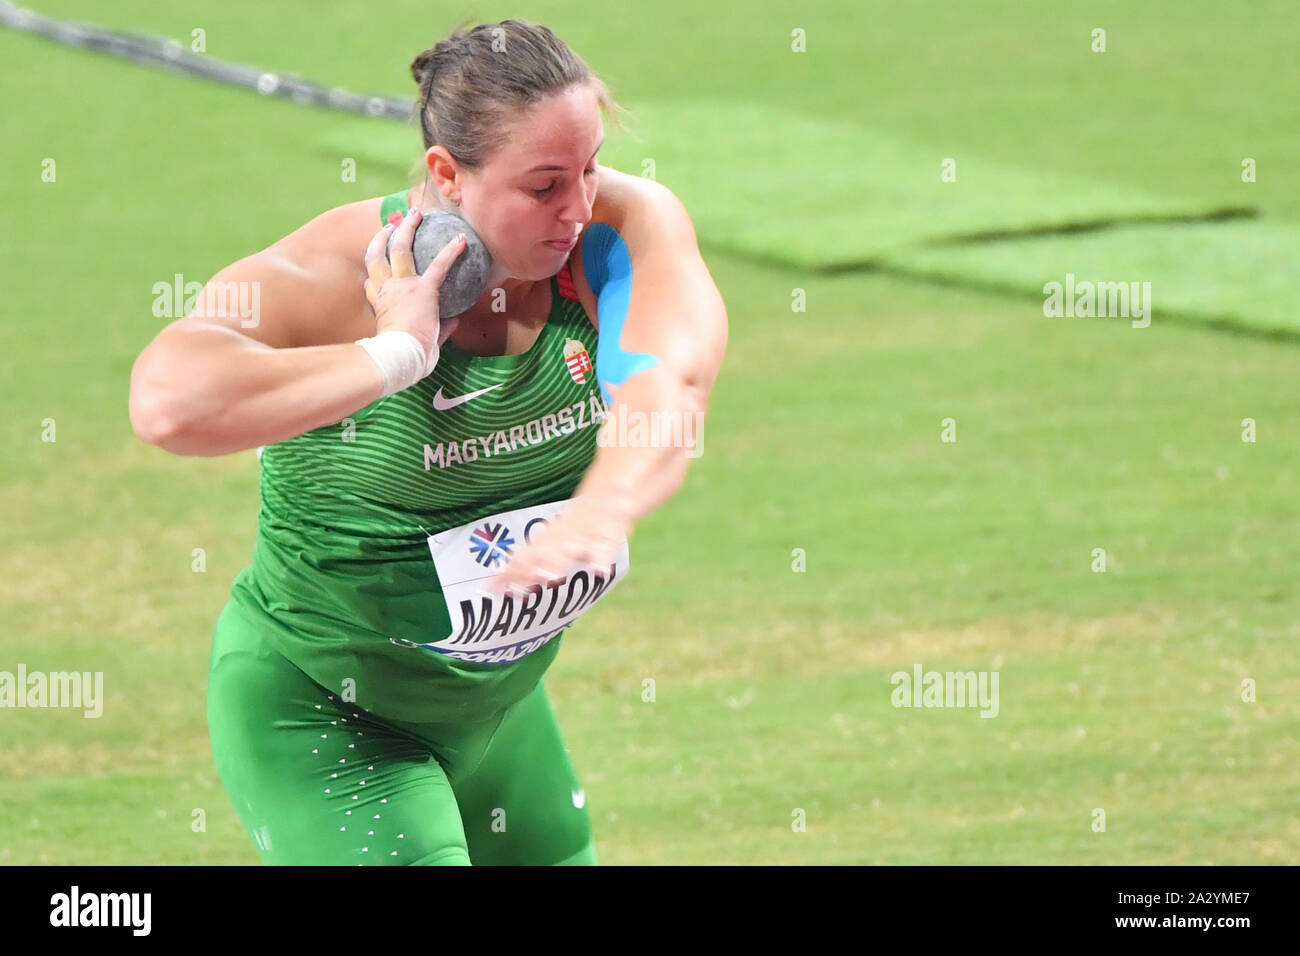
column 318, row 781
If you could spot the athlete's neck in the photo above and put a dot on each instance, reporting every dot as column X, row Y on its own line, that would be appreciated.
column 515, row 289
column 519, row 300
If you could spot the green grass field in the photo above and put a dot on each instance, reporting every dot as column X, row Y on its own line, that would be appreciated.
column 1119, row 690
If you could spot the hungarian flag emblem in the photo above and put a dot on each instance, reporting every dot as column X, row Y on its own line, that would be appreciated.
column 577, row 360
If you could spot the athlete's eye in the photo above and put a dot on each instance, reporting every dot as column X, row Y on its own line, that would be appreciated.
column 542, row 193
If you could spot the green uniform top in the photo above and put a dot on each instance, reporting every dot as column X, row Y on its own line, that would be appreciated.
column 342, row 575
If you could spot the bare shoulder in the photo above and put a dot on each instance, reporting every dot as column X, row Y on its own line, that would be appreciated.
column 312, row 281
column 644, row 212
column 631, row 203
column 336, row 232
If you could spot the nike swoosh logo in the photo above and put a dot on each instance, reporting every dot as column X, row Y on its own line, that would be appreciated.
column 579, row 798
column 442, row 404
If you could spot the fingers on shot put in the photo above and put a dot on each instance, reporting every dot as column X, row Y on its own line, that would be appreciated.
column 401, row 245
column 377, row 268
column 442, row 262
column 464, row 265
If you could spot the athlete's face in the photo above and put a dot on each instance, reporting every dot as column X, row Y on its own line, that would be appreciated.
column 539, row 186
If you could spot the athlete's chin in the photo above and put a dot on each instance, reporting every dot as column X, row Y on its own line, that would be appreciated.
column 536, row 274
column 544, row 264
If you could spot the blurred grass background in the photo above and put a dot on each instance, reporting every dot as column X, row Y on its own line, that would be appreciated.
column 1119, row 691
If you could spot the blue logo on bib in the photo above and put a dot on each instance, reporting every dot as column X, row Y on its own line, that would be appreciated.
column 490, row 545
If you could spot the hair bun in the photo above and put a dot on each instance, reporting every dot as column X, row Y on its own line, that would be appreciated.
column 422, row 66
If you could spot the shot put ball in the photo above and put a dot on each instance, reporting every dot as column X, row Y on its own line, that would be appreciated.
column 467, row 279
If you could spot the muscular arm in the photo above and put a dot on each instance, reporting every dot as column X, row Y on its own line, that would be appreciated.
column 217, row 381
column 663, row 332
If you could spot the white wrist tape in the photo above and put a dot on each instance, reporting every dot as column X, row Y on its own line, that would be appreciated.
column 401, row 359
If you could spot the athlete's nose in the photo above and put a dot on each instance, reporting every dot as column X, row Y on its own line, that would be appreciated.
column 576, row 211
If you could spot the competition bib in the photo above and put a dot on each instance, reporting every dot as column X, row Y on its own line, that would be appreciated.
column 498, row 629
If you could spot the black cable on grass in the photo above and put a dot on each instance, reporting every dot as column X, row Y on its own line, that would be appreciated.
column 172, row 55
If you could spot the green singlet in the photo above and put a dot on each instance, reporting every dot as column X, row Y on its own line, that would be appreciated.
column 342, row 566
column 335, row 617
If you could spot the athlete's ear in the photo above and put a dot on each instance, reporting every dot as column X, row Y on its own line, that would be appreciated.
column 445, row 173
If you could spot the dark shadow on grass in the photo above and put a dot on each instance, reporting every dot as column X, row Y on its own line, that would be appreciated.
column 1030, row 232
column 1182, row 316
column 877, row 267
column 1065, row 229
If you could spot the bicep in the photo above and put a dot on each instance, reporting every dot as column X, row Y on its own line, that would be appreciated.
column 660, row 312
column 279, row 299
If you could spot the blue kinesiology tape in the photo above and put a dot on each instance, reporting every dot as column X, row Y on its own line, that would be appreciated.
column 608, row 269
